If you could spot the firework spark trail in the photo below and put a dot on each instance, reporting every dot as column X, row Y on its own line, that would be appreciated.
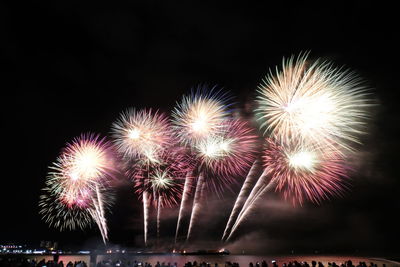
column 158, row 216
column 184, row 201
column 146, row 208
column 95, row 217
column 196, row 204
column 98, row 214
column 265, row 189
column 100, row 207
column 244, row 192
column 95, row 213
column 260, row 184
column 258, row 187
column 251, row 204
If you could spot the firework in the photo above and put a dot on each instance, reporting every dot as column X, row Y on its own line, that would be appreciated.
column 300, row 172
column 141, row 138
column 222, row 158
column 196, row 118
column 161, row 183
column 85, row 162
column 314, row 114
column 199, row 115
column 166, row 178
column 76, row 186
column 303, row 172
column 314, row 102
column 141, row 135
column 231, row 153
column 167, row 189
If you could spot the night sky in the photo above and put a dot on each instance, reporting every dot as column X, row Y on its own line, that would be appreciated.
column 70, row 69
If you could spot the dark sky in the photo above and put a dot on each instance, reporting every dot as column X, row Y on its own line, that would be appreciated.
column 70, row 69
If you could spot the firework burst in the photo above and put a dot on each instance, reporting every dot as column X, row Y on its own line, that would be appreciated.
column 87, row 161
column 231, row 153
column 303, row 172
column 314, row 102
column 166, row 178
column 199, row 115
column 76, row 191
column 142, row 135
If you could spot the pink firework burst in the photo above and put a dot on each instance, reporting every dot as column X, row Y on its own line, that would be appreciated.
column 84, row 163
column 77, row 182
column 230, row 154
column 303, row 172
column 164, row 181
column 142, row 134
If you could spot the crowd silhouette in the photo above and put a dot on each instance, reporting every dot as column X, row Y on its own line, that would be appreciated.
column 25, row 262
